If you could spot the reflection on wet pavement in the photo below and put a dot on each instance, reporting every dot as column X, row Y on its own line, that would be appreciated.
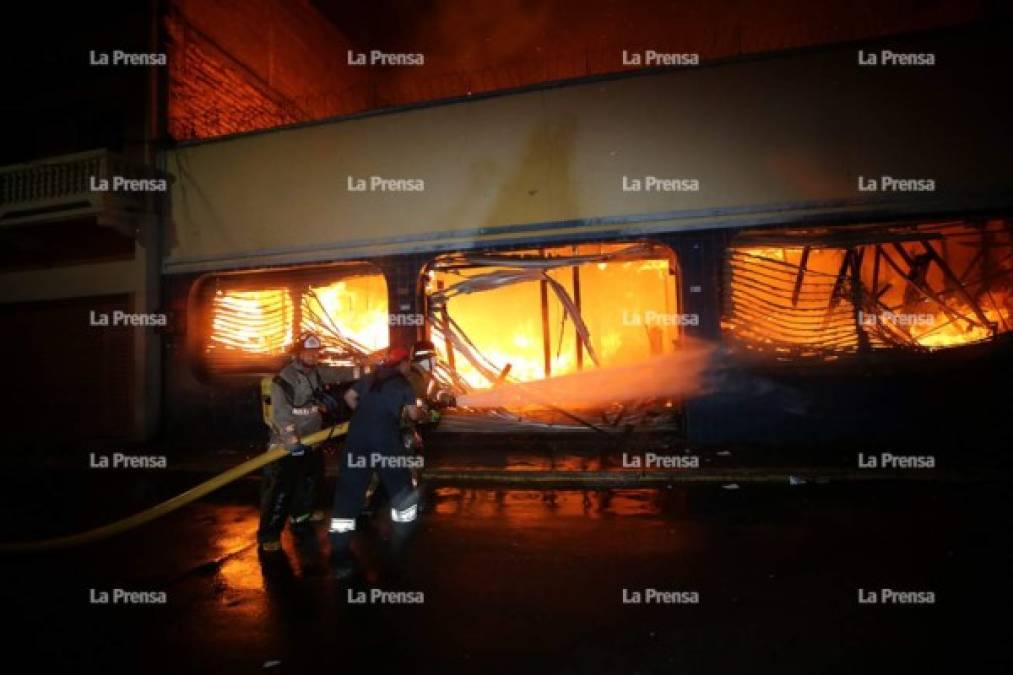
column 512, row 576
column 531, row 506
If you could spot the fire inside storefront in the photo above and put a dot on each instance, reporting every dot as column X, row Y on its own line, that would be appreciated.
column 790, row 296
column 554, row 260
column 532, row 336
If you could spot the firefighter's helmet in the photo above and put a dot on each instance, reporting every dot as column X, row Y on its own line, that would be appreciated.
column 395, row 355
column 307, row 341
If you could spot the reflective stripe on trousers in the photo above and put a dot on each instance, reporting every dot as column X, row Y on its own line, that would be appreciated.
column 341, row 525
column 404, row 515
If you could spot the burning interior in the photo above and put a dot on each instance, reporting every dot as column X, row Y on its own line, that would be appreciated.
column 533, row 314
column 497, row 318
column 251, row 319
column 527, row 316
column 557, row 317
column 829, row 292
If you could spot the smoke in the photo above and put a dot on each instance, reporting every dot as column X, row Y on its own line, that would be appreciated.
column 681, row 374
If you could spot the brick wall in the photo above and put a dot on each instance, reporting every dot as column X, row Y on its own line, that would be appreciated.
column 245, row 65
column 241, row 66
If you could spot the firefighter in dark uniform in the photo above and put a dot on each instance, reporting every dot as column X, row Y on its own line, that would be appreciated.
column 298, row 402
column 380, row 402
column 421, row 378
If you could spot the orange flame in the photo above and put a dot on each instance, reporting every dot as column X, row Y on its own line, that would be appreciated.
column 627, row 306
column 913, row 293
column 251, row 324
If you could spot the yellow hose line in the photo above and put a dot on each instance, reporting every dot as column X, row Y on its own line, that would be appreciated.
column 170, row 505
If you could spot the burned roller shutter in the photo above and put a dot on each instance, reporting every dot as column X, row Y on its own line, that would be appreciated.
column 825, row 293
column 246, row 322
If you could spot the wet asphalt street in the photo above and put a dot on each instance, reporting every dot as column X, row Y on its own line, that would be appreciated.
column 763, row 578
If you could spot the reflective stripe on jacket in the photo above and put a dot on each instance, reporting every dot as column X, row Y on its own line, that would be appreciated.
column 293, row 405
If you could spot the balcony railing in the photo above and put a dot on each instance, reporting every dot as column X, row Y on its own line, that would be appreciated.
column 69, row 186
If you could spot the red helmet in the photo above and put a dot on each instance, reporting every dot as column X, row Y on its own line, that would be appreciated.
column 395, row 355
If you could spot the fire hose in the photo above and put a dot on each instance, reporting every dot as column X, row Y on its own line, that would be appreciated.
column 221, row 480
column 207, row 487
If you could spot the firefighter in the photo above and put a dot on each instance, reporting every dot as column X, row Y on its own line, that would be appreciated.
column 421, row 376
column 426, row 388
column 298, row 402
column 380, row 402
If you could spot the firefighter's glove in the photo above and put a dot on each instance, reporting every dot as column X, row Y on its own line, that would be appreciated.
column 329, row 404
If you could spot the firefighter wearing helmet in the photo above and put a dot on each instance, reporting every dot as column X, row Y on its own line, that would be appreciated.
column 380, row 401
column 422, row 376
column 298, row 402
column 426, row 387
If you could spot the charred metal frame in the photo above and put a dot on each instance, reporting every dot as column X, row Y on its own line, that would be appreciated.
column 886, row 245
